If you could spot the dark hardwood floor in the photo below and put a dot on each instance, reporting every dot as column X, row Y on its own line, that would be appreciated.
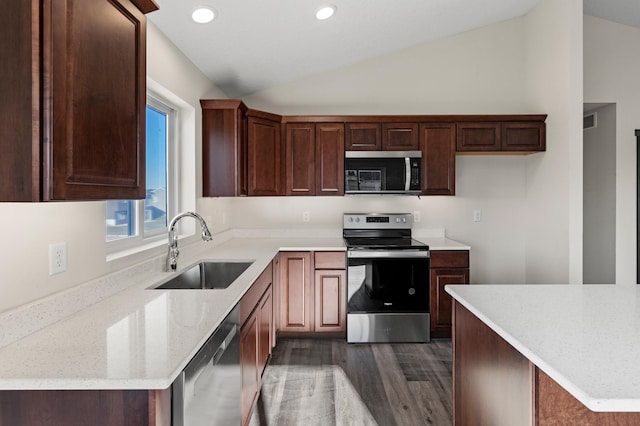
column 329, row 382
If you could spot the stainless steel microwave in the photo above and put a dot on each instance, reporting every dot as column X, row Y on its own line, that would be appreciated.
column 382, row 172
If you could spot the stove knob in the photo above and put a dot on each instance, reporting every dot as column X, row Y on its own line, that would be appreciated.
column 397, row 220
column 404, row 220
column 357, row 219
column 350, row 219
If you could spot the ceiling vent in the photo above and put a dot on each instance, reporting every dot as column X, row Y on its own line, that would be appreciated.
column 590, row 121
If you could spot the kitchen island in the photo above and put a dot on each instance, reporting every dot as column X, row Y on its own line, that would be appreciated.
column 546, row 354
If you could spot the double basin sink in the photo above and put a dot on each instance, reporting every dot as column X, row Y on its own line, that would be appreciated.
column 208, row 275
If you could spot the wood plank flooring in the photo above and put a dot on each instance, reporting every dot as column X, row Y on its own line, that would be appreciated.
column 313, row 382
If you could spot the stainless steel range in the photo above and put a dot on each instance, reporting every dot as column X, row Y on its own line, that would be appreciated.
column 387, row 279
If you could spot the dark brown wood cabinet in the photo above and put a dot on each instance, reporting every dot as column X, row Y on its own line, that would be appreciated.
column 300, row 158
column 313, row 292
column 447, row 267
column 503, row 136
column 314, row 158
column 363, row 137
column 523, row 136
column 224, row 148
column 400, row 137
column 249, row 366
column 438, row 145
column 296, row 292
column 329, row 164
column 85, row 407
column 256, row 338
column 74, row 88
column 265, row 151
column 330, row 283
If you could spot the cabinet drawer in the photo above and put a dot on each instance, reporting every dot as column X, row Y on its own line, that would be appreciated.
column 450, row 259
column 329, row 260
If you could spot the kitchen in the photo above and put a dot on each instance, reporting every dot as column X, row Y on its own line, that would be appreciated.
column 528, row 204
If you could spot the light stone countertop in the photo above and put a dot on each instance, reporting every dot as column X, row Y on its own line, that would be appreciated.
column 585, row 337
column 139, row 338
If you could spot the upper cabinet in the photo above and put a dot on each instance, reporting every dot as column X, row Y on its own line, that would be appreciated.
column 376, row 136
column 304, row 155
column 73, row 81
column 314, row 158
column 266, row 174
column 438, row 145
column 524, row 134
column 224, row 148
column 363, row 137
column 400, row 137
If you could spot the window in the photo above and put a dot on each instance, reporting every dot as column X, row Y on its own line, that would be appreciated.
column 134, row 222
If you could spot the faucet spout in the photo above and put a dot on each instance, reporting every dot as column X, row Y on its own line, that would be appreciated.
column 173, row 252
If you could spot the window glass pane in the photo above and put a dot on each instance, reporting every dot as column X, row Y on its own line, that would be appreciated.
column 155, row 204
column 121, row 219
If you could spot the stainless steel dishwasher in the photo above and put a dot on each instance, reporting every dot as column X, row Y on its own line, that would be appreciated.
column 207, row 392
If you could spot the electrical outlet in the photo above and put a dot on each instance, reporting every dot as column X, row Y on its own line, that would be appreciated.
column 477, row 215
column 416, row 216
column 306, row 216
column 57, row 258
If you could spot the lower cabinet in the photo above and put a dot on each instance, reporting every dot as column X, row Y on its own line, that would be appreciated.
column 86, row 407
column 447, row 267
column 256, row 338
column 312, row 292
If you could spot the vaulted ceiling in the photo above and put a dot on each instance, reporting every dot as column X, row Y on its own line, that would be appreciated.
column 252, row 45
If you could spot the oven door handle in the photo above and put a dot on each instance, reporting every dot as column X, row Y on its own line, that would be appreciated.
column 395, row 254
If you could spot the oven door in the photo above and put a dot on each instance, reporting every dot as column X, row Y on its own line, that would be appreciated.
column 387, row 281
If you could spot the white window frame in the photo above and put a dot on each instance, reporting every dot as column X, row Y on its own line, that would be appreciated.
column 141, row 239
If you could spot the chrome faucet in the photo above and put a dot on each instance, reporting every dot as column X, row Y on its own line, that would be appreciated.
column 172, row 255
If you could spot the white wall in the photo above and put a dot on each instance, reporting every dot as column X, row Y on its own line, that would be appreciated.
column 599, row 245
column 553, row 78
column 488, row 70
column 28, row 228
column 611, row 64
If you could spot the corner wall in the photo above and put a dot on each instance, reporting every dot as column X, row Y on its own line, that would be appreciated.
column 553, row 78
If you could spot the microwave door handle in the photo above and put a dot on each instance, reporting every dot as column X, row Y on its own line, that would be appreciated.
column 407, row 173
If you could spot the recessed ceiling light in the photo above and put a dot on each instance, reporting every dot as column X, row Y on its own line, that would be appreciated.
column 325, row 12
column 203, row 15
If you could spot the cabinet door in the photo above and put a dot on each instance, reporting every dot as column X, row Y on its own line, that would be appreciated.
column 478, row 137
column 363, row 137
column 20, row 88
column 523, row 136
column 249, row 365
column 300, row 158
column 329, row 159
column 330, row 305
column 224, row 148
column 265, row 157
column 400, row 137
column 296, row 297
column 94, row 64
column 438, row 142
column 441, row 300
column 265, row 329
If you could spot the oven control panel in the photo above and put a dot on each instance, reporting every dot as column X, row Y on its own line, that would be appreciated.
column 377, row 221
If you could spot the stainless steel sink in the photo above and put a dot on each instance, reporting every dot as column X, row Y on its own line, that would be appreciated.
column 206, row 276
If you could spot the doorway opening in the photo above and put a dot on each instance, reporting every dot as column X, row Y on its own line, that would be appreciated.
column 599, row 194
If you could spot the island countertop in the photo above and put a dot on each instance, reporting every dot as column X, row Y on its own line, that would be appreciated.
column 585, row 337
